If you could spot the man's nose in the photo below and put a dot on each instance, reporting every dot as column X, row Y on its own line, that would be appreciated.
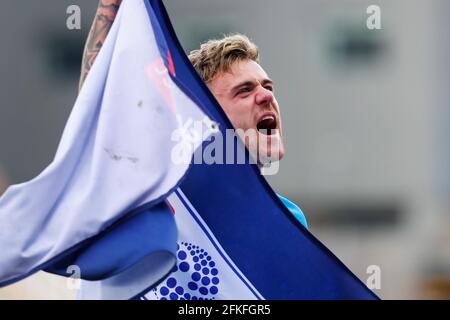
column 264, row 96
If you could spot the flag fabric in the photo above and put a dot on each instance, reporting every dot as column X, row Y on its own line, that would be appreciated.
column 114, row 157
column 160, row 231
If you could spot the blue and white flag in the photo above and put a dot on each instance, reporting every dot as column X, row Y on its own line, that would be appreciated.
column 133, row 222
column 114, row 156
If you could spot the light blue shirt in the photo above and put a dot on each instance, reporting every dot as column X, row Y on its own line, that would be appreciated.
column 295, row 210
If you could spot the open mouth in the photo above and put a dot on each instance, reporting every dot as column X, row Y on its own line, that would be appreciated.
column 267, row 124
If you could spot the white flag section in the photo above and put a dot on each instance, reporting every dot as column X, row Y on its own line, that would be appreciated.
column 115, row 152
column 204, row 270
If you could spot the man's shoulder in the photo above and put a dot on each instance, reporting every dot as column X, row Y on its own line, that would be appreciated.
column 295, row 210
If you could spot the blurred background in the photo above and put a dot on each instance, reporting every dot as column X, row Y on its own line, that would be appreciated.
column 366, row 116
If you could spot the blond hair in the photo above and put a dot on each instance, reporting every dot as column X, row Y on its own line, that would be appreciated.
column 215, row 56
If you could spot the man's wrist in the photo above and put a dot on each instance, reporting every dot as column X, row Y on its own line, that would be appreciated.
column 108, row 8
column 109, row 2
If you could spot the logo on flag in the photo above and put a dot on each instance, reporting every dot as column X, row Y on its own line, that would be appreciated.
column 195, row 277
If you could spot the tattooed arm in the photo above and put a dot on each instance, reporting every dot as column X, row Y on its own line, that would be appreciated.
column 106, row 13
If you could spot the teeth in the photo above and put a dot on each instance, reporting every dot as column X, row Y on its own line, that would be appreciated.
column 268, row 117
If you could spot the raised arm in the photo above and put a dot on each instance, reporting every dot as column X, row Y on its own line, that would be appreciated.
column 104, row 18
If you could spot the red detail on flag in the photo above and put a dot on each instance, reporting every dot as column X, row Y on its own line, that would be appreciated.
column 171, row 207
column 159, row 75
column 171, row 65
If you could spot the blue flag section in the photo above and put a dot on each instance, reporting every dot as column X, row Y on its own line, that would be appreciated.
column 138, row 226
column 279, row 258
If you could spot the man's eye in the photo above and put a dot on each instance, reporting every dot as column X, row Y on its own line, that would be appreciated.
column 244, row 90
column 269, row 88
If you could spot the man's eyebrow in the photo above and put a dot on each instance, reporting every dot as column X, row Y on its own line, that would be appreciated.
column 250, row 83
